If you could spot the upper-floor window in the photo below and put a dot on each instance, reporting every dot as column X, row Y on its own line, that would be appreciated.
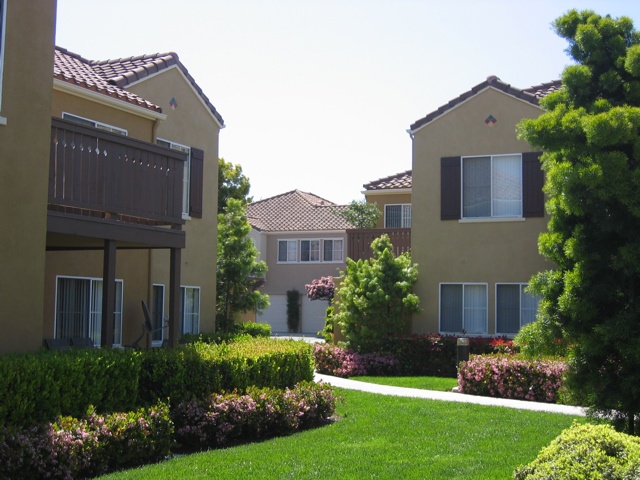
column 310, row 250
column 491, row 187
column 93, row 123
column 397, row 216
column 186, row 184
column 3, row 15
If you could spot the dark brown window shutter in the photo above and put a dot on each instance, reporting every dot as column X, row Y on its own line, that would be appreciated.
column 532, row 183
column 196, row 180
column 450, row 188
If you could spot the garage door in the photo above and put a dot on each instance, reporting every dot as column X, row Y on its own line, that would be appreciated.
column 276, row 314
column 313, row 313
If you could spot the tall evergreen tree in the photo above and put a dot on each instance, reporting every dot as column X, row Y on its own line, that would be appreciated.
column 232, row 183
column 590, row 132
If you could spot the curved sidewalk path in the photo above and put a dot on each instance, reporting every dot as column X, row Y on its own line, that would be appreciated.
column 448, row 396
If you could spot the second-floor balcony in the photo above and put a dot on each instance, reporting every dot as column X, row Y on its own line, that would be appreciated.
column 359, row 241
column 100, row 174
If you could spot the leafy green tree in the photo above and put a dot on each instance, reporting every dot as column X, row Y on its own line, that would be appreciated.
column 590, row 132
column 375, row 299
column 361, row 214
column 238, row 270
column 232, row 183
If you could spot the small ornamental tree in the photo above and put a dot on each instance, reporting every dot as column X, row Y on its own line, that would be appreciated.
column 361, row 214
column 375, row 299
column 321, row 289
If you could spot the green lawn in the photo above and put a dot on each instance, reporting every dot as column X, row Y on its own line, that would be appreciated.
column 383, row 437
column 423, row 383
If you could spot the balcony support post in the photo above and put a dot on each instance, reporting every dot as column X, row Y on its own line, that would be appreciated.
column 174, row 296
column 108, row 294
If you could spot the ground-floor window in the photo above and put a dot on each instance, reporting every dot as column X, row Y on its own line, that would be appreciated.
column 463, row 308
column 79, row 309
column 190, row 308
column 514, row 307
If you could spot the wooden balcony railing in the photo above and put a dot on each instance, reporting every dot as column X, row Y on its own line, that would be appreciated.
column 359, row 241
column 97, row 173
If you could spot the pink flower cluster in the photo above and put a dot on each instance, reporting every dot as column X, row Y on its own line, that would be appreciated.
column 333, row 360
column 223, row 420
column 505, row 376
column 321, row 289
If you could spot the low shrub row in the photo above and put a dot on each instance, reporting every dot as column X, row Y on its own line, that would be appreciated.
column 333, row 360
column 249, row 329
column 39, row 387
column 223, row 420
column 506, row 376
column 433, row 354
column 72, row 448
column 589, row 452
column 430, row 355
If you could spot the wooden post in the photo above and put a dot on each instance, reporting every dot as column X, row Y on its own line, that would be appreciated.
column 108, row 293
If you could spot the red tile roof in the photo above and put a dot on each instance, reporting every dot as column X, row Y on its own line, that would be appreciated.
column 110, row 77
column 76, row 70
column 392, row 182
column 295, row 211
column 531, row 95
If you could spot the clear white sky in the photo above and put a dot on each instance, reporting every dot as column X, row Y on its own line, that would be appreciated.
column 318, row 95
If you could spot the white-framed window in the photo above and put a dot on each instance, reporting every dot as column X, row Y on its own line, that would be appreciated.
column 186, row 177
column 287, row 251
column 190, row 309
column 157, row 315
column 463, row 308
column 3, row 27
column 311, row 250
column 515, row 307
column 492, row 186
column 95, row 124
column 333, row 250
column 78, row 311
column 397, row 216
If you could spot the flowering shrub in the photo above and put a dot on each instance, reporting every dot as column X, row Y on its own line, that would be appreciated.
column 80, row 448
column 504, row 376
column 222, row 420
column 321, row 289
column 333, row 360
column 501, row 345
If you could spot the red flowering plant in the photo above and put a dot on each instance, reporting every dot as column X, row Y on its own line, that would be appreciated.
column 321, row 289
column 502, row 345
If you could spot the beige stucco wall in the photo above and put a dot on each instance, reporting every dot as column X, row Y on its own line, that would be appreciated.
column 455, row 251
column 24, row 167
column 387, row 198
column 190, row 124
column 282, row 277
column 137, row 126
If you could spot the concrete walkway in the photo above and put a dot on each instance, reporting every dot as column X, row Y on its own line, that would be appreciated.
column 448, row 396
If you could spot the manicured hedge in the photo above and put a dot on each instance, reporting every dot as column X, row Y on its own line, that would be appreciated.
column 432, row 354
column 250, row 329
column 38, row 387
column 588, row 452
column 333, row 360
column 506, row 376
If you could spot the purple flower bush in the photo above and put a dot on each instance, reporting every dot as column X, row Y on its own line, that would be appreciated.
column 321, row 289
column 81, row 448
column 223, row 420
column 333, row 360
column 505, row 376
